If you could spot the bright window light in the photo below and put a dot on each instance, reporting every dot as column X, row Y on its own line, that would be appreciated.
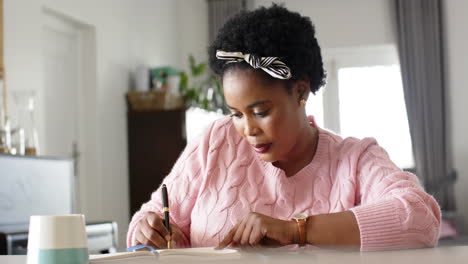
column 371, row 103
column 197, row 120
column 314, row 107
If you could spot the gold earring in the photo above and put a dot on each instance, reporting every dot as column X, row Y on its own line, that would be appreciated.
column 303, row 102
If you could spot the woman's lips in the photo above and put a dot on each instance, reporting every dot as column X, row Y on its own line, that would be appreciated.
column 262, row 148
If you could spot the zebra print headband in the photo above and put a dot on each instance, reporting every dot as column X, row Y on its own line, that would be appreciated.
column 270, row 65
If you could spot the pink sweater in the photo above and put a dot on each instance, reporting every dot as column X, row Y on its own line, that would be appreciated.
column 219, row 179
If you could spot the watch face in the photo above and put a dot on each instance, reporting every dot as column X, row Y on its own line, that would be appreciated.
column 299, row 216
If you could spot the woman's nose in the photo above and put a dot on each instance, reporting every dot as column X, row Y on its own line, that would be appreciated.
column 250, row 128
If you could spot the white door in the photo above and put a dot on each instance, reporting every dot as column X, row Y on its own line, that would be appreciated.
column 60, row 94
column 68, row 104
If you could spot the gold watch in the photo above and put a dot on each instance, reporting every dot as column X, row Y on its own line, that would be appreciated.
column 301, row 220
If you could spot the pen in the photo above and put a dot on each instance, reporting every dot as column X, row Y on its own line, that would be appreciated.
column 166, row 213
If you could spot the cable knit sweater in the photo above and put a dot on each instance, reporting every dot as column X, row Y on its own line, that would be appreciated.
column 219, row 179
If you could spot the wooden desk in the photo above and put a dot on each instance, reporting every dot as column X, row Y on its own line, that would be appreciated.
column 444, row 255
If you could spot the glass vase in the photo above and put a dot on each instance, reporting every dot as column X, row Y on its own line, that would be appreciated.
column 5, row 128
column 24, row 136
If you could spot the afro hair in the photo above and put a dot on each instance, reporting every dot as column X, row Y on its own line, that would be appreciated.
column 272, row 32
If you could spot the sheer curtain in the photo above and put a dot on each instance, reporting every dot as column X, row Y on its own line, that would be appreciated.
column 420, row 48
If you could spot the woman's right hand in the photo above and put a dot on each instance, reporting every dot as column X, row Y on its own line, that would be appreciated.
column 151, row 231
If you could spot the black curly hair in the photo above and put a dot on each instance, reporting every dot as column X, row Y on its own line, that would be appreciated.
column 271, row 32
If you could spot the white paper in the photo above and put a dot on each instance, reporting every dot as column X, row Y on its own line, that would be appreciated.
column 142, row 257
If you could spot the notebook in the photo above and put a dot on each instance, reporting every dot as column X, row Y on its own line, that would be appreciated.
column 142, row 257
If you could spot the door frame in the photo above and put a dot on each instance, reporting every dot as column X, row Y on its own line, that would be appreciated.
column 88, row 184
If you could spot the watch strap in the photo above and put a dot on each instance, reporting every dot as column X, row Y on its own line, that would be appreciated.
column 301, row 226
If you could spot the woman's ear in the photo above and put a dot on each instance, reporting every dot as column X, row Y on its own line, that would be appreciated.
column 301, row 90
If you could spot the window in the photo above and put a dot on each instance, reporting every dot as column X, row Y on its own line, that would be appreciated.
column 197, row 120
column 314, row 107
column 372, row 105
column 364, row 98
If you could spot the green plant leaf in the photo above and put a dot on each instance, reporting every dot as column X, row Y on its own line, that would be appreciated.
column 199, row 69
column 192, row 94
column 183, row 85
column 205, row 104
column 194, row 86
column 192, row 63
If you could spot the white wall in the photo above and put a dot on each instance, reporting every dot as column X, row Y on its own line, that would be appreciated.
column 192, row 19
column 127, row 34
column 456, row 43
column 343, row 23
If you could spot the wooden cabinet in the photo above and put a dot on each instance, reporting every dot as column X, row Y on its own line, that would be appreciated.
column 155, row 141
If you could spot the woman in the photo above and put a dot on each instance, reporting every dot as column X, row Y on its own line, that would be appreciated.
column 244, row 181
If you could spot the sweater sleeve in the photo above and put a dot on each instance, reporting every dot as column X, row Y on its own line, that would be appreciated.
column 183, row 183
column 393, row 209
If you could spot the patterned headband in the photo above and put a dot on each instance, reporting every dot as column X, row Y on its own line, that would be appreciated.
column 270, row 65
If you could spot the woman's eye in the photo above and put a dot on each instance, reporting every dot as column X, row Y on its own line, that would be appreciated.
column 238, row 115
column 261, row 114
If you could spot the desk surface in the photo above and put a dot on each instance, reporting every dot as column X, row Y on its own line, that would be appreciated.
column 452, row 255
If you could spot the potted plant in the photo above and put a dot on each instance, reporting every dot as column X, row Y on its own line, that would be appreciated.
column 201, row 88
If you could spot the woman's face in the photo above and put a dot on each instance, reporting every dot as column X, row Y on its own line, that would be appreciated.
column 264, row 113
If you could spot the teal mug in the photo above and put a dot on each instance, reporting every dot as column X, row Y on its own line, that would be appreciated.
column 57, row 239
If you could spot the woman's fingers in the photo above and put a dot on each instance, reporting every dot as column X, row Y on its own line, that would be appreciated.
column 245, row 239
column 228, row 238
column 153, row 235
column 257, row 229
column 245, row 233
column 250, row 232
column 176, row 236
column 239, row 233
column 156, row 223
column 256, row 235
column 151, row 231
column 142, row 239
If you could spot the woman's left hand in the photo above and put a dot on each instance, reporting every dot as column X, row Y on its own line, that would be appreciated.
column 258, row 229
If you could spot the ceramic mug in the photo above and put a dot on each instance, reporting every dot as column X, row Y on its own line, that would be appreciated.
column 55, row 239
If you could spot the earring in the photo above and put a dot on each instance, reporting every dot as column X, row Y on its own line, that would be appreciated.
column 303, row 102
